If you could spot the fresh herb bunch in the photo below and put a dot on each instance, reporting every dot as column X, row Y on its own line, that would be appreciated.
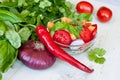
column 97, row 55
column 18, row 20
column 38, row 11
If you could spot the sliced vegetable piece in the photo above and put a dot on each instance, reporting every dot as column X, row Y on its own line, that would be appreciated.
column 76, row 44
column 63, row 37
column 94, row 31
column 85, row 35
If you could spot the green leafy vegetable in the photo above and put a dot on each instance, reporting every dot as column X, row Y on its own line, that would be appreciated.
column 87, row 17
column 8, row 16
column 74, row 31
column 8, row 55
column 0, row 76
column 100, row 60
column 59, row 26
column 96, row 55
column 24, row 34
column 2, row 28
column 83, row 16
column 13, row 38
column 45, row 3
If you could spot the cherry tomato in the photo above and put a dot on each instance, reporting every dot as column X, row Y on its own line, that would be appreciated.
column 84, row 7
column 104, row 14
column 62, row 36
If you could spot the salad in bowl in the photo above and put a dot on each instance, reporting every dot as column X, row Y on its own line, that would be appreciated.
column 75, row 34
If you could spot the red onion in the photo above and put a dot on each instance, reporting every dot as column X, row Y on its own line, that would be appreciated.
column 34, row 55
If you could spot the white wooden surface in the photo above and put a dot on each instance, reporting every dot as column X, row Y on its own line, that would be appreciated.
column 108, row 38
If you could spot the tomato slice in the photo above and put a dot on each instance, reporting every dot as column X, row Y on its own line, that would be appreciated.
column 94, row 31
column 63, row 37
column 85, row 35
column 89, row 32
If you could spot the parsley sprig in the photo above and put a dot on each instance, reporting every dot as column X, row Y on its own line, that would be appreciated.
column 97, row 55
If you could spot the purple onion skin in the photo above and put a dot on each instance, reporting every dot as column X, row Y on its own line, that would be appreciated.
column 34, row 55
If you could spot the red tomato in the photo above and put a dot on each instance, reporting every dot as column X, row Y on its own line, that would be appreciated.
column 94, row 32
column 84, row 7
column 89, row 32
column 104, row 14
column 62, row 36
column 85, row 35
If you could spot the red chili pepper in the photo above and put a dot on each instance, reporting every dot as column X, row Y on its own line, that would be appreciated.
column 46, row 39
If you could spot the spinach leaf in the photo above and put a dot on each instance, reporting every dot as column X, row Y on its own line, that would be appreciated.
column 8, row 55
column 14, row 38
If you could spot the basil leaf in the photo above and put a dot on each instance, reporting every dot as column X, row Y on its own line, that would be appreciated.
column 8, row 55
column 2, row 28
column 0, row 76
column 9, row 16
column 14, row 38
column 24, row 34
column 25, row 13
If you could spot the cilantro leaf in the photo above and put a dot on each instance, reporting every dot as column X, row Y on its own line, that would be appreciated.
column 100, row 60
column 92, row 57
column 99, row 51
column 96, row 55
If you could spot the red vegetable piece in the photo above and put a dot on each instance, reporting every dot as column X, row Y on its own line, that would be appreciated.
column 85, row 35
column 63, row 37
column 104, row 14
column 94, row 31
column 84, row 7
column 34, row 55
column 46, row 39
